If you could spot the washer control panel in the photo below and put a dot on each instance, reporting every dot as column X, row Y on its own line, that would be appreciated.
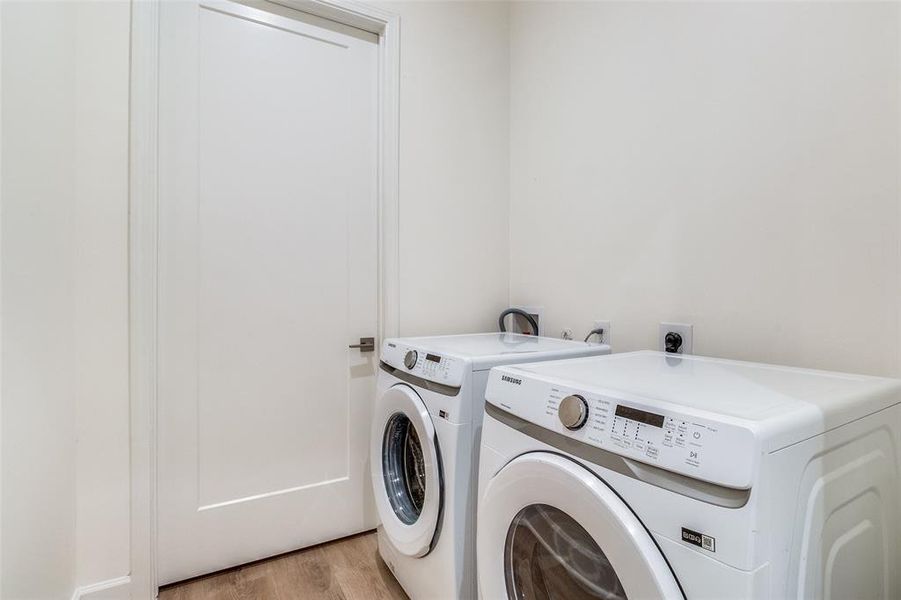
column 635, row 428
column 423, row 363
column 573, row 412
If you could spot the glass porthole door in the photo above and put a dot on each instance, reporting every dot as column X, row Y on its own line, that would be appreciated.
column 406, row 470
column 548, row 555
column 549, row 529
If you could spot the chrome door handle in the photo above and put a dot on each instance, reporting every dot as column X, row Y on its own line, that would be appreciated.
column 367, row 344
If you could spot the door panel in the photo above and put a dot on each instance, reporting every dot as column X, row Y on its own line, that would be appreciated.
column 268, row 270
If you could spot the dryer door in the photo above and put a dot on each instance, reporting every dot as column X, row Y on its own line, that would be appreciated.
column 549, row 528
column 406, row 470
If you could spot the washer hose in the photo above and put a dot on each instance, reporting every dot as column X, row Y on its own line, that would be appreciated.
column 517, row 311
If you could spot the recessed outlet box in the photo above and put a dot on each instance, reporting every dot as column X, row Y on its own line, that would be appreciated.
column 684, row 330
column 607, row 336
column 520, row 325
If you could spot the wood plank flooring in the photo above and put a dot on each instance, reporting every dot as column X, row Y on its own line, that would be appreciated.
column 346, row 569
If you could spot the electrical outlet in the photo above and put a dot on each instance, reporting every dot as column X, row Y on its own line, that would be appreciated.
column 684, row 330
column 607, row 336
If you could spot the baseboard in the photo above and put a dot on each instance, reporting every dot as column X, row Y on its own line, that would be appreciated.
column 111, row 589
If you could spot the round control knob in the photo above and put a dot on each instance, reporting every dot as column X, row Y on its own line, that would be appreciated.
column 573, row 412
column 410, row 359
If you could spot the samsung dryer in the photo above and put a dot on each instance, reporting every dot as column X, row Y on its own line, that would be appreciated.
column 425, row 439
column 646, row 475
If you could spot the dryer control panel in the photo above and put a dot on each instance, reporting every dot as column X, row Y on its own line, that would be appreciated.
column 422, row 363
column 713, row 451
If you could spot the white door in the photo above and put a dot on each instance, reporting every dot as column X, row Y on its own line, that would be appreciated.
column 549, row 528
column 268, row 272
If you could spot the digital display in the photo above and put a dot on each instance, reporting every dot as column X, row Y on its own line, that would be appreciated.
column 642, row 416
column 433, row 357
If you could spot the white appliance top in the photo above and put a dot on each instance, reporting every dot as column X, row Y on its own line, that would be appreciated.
column 445, row 359
column 744, row 390
column 489, row 345
column 703, row 417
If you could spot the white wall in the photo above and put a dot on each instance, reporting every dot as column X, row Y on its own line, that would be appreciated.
column 730, row 165
column 64, row 221
column 454, row 187
column 65, row 265
column 37, row 273
column 101, row 290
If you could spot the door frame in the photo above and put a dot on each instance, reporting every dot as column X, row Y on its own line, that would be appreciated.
column 143, row 240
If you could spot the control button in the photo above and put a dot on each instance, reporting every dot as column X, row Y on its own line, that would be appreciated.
column 410, row 359
column 573, row 412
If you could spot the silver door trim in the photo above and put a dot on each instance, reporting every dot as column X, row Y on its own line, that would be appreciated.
column 683, row 485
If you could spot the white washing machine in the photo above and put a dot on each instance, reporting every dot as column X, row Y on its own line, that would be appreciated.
column 425, row 439
column 645, row 475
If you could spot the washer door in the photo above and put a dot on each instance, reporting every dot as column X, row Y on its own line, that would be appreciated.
column 551, row 529
column 406, row 470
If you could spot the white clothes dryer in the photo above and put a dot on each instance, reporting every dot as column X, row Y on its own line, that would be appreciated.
column 646, row 475
column 425, row 438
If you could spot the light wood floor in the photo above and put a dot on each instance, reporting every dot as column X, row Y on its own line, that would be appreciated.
column 347, row 569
